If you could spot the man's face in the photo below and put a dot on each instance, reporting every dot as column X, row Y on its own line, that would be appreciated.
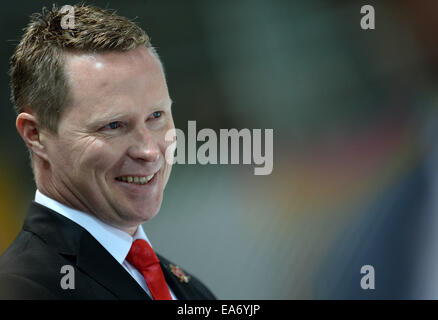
column 112, row 136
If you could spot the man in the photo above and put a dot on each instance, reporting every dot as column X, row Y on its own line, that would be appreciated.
column 93, row 109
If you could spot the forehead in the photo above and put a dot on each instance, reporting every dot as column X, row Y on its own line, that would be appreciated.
column 135, row 76
column 85, row 62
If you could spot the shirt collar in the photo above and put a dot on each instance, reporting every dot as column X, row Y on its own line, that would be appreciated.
column 115, row 241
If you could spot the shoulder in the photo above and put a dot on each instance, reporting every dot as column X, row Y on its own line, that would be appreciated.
column 20, row 268
column 27, row 254
column 29, row 269
column 19, row 287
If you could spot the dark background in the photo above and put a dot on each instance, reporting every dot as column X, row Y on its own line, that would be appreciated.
column 355, row 153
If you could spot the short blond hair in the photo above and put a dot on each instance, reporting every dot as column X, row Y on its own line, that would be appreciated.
column 38, row 78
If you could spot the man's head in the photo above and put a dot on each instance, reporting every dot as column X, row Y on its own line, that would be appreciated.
column 94, row 109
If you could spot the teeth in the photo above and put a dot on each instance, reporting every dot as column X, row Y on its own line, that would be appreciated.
column 136, row 180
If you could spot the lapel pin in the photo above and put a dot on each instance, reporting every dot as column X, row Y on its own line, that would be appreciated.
column 177, row 271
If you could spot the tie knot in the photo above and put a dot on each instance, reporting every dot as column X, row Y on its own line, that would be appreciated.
column 141, row 255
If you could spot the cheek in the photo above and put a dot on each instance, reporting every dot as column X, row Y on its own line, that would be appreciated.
column 96, row 156
column 164, row 147
column 169, row 126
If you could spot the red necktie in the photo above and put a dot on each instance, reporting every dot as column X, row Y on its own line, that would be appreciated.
column 143, row 257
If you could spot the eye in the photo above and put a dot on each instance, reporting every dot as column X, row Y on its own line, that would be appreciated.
column 156, row 114
column 113, row 125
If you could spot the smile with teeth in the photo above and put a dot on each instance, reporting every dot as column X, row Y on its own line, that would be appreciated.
column 136, row 180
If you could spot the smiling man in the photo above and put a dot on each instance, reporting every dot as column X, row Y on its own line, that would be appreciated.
column 93, row 109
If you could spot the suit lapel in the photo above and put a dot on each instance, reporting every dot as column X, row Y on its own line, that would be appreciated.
column 95, row 261
column 70, row 239
column 178, row 288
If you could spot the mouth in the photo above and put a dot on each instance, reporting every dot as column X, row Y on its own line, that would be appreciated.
column 139, row 180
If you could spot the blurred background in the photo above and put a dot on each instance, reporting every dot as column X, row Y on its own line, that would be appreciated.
column 355, row 121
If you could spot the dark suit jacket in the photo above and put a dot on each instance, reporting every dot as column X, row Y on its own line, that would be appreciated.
column 31, row 267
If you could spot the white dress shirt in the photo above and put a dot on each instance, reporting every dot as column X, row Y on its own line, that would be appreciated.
column 115, row 241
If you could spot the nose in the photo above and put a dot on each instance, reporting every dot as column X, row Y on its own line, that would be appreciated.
column 144, row 146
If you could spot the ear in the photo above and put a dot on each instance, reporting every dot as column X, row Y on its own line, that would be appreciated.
column 30, row 131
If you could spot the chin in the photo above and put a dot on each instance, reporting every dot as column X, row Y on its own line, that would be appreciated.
column 137, row 213
column 148, row 214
